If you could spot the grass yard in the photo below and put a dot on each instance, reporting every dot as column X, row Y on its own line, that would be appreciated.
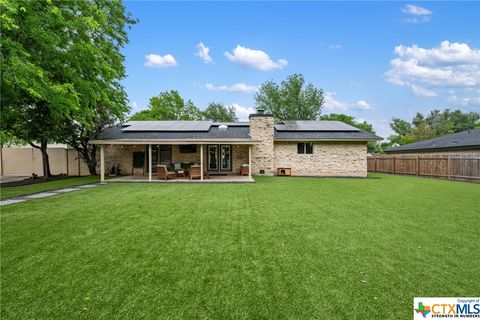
column 46, row 186
column 283, row 248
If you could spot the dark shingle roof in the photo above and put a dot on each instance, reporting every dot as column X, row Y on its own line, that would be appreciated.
column 464, row 139
column 167, row 125
column 118, row 133
column 208, row 130
column 322, row 125
column 326, row 135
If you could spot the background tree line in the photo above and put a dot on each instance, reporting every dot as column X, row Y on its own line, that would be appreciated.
column 169, row 105
column 435, row 124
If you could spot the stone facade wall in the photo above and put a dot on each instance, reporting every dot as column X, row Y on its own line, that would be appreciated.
column 262, row 127
column 240, row 156
column 122, row 154
column 346, row 159
column 177, row 156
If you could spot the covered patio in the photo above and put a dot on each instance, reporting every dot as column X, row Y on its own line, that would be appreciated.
column 164, row 161
column 210, row 179
column 176, row 151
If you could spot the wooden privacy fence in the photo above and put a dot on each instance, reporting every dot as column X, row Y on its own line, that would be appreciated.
column 449, row 167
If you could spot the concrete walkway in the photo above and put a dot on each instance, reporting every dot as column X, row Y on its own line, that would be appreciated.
column 44, row 194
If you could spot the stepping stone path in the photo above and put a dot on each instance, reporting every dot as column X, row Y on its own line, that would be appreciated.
column 44, row 194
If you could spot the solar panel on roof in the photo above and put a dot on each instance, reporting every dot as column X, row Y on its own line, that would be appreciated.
column 168, row 126
column 293, row 125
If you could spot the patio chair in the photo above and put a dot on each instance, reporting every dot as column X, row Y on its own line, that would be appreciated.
column 195, row 172
column 163, row 173
column 115, row 170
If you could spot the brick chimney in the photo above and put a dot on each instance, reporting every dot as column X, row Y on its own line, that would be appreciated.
column 262, row 128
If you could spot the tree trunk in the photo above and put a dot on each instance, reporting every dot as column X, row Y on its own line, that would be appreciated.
column 89, row 155
column 45, row 160
column 92, row 161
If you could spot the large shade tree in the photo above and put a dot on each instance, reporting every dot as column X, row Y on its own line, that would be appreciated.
column 219, row 112
column 363, row 125
column 169, row 105
column 291, row 99
column 61, row 69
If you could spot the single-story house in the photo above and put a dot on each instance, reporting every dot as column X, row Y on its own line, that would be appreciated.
column 465, row 143
column 258, row 147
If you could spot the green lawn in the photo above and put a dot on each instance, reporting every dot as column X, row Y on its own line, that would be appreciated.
column 283, row 248
column 46, row 186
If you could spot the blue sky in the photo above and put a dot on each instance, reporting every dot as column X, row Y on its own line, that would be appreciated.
column 374, row 60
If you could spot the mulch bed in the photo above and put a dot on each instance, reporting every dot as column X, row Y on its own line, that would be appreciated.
column 33, row 180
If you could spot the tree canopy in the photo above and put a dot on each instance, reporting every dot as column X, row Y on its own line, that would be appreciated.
column 219, row 112
column 435, row 124
column 291, row 99
column 169, row 105
column 363, row 125
column 61, row 69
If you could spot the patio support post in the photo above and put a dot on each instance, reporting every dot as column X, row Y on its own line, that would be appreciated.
column 201, row 162
column 250, row 162
column 150, row 162
column 102, row 164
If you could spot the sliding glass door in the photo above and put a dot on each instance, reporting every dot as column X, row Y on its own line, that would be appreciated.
column 213, row 157
column 161, row 154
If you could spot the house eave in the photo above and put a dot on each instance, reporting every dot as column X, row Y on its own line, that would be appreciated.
column 174, row 141
column 326, row 139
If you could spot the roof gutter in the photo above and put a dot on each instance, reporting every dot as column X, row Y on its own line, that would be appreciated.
column 326, row 139
column 175, row 141
column 473, row 147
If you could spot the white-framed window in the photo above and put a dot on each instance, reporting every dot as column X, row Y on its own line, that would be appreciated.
column 305, row 148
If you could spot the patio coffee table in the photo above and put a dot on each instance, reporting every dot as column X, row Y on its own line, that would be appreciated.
column 180, row 173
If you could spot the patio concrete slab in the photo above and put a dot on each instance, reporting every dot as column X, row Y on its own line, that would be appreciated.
column 11, row 201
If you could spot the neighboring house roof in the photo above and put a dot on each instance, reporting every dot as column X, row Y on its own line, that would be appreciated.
column 237, row 132
column 320, row 130
column 469, row 139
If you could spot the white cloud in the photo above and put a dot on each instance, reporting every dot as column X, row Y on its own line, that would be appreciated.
column 465, row 101
column 416, row 14
column 203, row 53
column 257, row 59
column 158, row 61
column 423, row 92
column 416, row 10
column 450, row 65
column 335, row 46
column 364, row 105
column 239, row 87
column 242, row 112
column 332, row 104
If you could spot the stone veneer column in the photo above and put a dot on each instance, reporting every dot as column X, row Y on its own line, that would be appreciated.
column 262, row 127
